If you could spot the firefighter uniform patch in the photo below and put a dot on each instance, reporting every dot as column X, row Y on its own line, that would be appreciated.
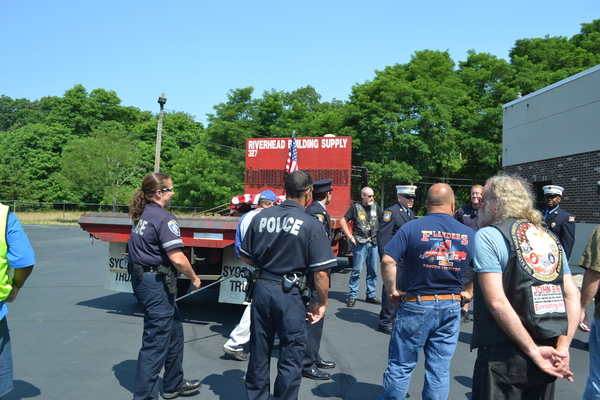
column 572, row 218
column 320, row 217
column 387, row 215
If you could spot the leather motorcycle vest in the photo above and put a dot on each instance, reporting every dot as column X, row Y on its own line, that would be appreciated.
column 366, row 224
column 533, row 284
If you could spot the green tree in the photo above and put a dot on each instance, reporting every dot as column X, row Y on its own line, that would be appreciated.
column 203, row 179
column 37, row 149
column 408, row 113
column 17, row 113
column 105, row 167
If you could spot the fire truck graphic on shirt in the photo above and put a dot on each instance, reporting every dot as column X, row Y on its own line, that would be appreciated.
column 444, row 254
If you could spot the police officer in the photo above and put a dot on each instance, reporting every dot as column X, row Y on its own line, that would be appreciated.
column 393, row 219
column 155, row 251
column 285, row 244
column 558, row 220
column 322, row 193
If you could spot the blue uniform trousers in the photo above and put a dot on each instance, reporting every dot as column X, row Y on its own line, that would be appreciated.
column 313, row 339
column 274, row 311
column 388, row 312
column 162, row 340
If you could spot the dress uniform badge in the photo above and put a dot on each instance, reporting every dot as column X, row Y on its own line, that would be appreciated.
column 387, row 215
column 320, row 217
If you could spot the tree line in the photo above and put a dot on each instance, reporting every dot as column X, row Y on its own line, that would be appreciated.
column 428, row 120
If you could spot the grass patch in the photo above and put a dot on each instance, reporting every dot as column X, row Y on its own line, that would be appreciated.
column 49, row 217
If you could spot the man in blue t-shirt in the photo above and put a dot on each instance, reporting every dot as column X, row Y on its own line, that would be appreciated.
column 436, row 250
column 16, row 254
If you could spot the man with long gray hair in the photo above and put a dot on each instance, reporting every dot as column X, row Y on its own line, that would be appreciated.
column 526, row 302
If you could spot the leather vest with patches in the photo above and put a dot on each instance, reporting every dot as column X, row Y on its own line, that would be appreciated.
column 533, row 284
column 366, row 224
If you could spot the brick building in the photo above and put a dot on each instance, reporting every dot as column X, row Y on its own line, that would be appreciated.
column 552, row 136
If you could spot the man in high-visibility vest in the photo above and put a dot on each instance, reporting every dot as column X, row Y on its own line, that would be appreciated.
column 16, row 254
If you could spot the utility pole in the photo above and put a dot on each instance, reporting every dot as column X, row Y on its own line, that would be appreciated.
column 162, row 100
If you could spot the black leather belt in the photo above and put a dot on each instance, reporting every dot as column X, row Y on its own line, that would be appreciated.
column 148, row 269
column 267, row 276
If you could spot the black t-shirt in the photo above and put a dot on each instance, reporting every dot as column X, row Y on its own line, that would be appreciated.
column 284, row 239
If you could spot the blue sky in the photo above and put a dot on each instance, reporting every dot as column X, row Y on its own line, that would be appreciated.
column 197, row 51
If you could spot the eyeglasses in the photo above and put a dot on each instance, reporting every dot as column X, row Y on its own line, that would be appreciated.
column 167, row 189
column 408, row 197
column 370, row 195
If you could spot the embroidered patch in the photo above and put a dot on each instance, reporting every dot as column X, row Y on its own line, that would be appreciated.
column 362, row 216
column 538, row 253
column 174, row 227
column 387, row 215
column 320, row 217
column 572, row 218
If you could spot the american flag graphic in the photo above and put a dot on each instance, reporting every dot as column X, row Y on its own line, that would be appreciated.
column 292, row 161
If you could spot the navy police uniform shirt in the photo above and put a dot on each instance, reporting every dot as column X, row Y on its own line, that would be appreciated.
column 284, row 239
column 317, row 210
column 436, row 250
column 392, row 220
column 156, row 232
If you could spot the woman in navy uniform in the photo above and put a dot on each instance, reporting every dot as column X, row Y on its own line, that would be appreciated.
column 155, row 250
column 284, row 243
column 322, row 193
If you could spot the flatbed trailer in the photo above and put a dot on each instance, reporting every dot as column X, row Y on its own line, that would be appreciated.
column 209, row 240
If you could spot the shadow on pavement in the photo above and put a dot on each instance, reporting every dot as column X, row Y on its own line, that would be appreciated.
column 22, row 390
column 125, row 373
column 201, row 309
column 344, row 386
column 229, row 385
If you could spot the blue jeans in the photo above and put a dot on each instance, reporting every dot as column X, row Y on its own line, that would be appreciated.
column 6, row 366
column 592, row 388
column 364, row 253
column 431, row 326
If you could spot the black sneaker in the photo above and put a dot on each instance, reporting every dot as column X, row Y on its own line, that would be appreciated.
column 188, row 387
column 464, row 317
column 351, row 301
column 373, row 300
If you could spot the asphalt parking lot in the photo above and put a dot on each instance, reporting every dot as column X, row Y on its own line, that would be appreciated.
column 72, row 339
